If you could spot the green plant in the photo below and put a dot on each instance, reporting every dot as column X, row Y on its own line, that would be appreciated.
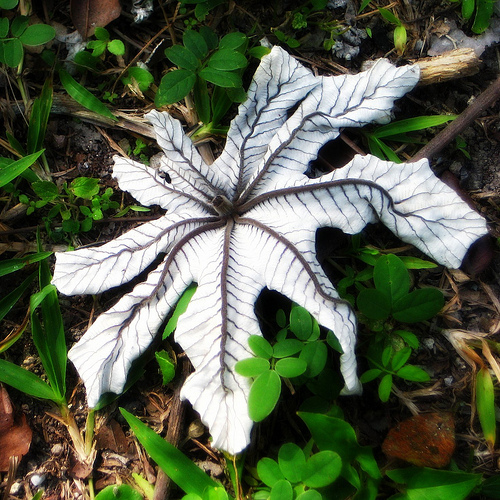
column 103, row 42
column 481, row 10
column 400, row 35
column 398, row 132
column 17, row 33
column 202, row 8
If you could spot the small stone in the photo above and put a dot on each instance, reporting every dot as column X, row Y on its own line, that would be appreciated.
column 15, row 488
column 37, row 480
column 57, row 449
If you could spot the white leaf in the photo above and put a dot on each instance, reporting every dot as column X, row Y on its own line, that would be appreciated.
column 248, row 222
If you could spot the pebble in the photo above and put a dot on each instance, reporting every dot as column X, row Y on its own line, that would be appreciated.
column 37, row 480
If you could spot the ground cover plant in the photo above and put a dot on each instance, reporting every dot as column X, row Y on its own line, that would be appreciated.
column 265, row 217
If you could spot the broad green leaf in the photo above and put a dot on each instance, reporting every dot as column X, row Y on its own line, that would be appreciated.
column 225, row 79
column 322, row 469
column 46, row 190
column 13, row 52
column 484, row 11
column 181, row 470
column 202, row 100
column 182, row 57
column 233, row 41
column 174, row 86
column 167, row 366
column 264, row 395
column 418, row 305
column 258, row 52
column 4, row 27
column 122, row 492
column 84, row 187
column 260, row 346
column 215, row 493
column 291, row 460
column 101, row 34
column 252, row 367
column 384, row 387
column 37, row 34
column 209, row 36
column 82, row 96
column 400, row 358
column 195, row 42
column 413, row 374
column 370, row 375
column 291, row 367
column 18, row 25
column 287, row 347
column 310, row 495
column 301, row 322
column 180, row 309
column 485, row 403
column 315, row 355
column 16, row 168
column 391, row 277
column 8, row 4
column 467, row 8
column 282, row 490
column 374, row 304
column 227, row 60
column 431, row 484
column 269, row 471
column 25, row 381
column 116, row 47
column 142, row 76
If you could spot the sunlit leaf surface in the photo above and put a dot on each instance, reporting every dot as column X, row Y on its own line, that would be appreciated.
column 249, row 221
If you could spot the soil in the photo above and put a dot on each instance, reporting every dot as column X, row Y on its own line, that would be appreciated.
column 76, row 147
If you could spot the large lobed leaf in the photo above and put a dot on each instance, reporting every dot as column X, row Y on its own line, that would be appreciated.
column 248, row 222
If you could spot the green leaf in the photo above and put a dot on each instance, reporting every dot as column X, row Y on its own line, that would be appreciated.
column 180, row 308
column 202, row 100
column 142, row 76
column 8, row 4
column 370, row 375
column 227, row 60
column 260, row 346
column 287, row 347
column 18, row 25
column 374, row 304
column 81, row 95
column 174, row 86
column 183, row 472
column 418, row 305
column 225, row 79
column 400, row 38
column 122, row 492
column 269, row 471
column 291, row 460
column 384, row 387
column 264, row 395
column 25, row 381
column 431, row 484
column 84, row 187
column 282, row 490
column 252, row 367
column 12, row 265
column 484, row 11
column 13, row 52
column 167, row 366
column 258, row 52
column 411, row 125
column 391, row 277
column 485, row 403
column 310, row 495
column 215, row 493
column 400, row 358
column 101, row 34
column 4, row 27
column 209, row 36
column 467, row 8
column 196, row 43
column 116, row 47
column 291, row 367
column 322, row 469
column 413, row 374
column 416, row 263
column 182, row 57
column 46, row 190
column 8, row 301
column 315, row 355
column 37, row 34
column 39, row 118
column 234, row 41
column 389, row 16
column 10, row 171
column 301, row 322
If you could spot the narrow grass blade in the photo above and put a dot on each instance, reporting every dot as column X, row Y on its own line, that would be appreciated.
column 412, row 125
column 81, row 95
column 25, row 381
column 173, row 462
column 12, row 265
column 10, row 299
column 39, row 118
column 12, row 170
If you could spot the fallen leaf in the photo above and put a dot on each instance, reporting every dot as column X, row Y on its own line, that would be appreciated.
column 88, row 14
column 15, row 433
column 426, row 440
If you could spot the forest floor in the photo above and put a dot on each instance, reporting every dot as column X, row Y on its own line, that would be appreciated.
column 84, row 147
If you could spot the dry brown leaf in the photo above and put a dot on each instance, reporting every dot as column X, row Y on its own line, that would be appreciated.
column 15, row 433
column 89, row 14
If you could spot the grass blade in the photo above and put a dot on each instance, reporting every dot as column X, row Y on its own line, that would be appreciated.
column 12, row 170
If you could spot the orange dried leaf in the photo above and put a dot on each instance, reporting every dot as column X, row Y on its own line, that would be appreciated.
column 423, row 440
column 88, row 14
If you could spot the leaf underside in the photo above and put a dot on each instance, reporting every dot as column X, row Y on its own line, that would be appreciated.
column 248, row 221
